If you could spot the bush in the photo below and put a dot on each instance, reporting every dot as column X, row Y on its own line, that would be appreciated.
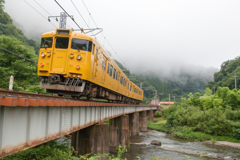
column 237, row 134
column 158, row 114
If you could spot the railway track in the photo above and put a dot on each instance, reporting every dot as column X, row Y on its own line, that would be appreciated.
column 17, row 94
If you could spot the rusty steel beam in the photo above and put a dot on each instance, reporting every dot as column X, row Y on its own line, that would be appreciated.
column 37, row 120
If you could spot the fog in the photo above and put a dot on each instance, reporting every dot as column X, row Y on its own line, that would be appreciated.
column 160, row 36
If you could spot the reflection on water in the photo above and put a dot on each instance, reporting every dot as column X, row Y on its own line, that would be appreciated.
column 176, row 149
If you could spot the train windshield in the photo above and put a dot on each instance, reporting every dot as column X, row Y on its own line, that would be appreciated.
column 81, row 44
column 62, row 43
column 46, row 42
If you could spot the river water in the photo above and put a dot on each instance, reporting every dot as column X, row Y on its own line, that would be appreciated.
column 176, row 149
column 172, row 148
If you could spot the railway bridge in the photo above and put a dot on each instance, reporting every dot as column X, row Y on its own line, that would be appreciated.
column 27, row 120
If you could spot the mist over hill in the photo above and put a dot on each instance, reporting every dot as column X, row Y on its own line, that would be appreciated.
column 178, row 81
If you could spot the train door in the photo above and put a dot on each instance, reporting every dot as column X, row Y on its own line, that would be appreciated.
column 95, row 63
column 127, row 88
column 104, row 63
column 118, row 78
column 59, row 56
column 119, row 81
column 130, row 90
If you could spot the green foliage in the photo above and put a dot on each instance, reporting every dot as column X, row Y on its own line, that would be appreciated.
column 44, row 151
column 158, row 114
column 237, row 134
column 169, row 110
column 224, row 78
column 8, row 29
column 24, row 72
column 200, row 118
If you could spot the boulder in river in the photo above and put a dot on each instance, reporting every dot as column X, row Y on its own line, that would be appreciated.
column 156, row 142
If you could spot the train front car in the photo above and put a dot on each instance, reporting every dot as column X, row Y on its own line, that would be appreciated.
column 63, row 61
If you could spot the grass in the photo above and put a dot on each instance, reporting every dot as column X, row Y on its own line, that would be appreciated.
column 204, row 137
column 160, row 120
column 198, row 136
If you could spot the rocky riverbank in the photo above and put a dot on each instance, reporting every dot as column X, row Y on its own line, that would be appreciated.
column 223, row 144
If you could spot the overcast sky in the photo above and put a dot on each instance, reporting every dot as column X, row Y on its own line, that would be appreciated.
column 158, row 34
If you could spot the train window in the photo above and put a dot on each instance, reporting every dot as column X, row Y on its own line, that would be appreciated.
column 81, row 44
column 135, row 90
column 111, row 70
column 95, row 57
column 140, row 93
column 90, row 46
column 62, row 43
column 117, row 76
column 114, row 74
column 108, row 69
column 46, row 42
column 131, row 87
column 104, row 63
column 121, row 79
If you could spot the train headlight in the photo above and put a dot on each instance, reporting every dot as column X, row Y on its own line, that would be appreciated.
column 43, row 54
column 79, row 57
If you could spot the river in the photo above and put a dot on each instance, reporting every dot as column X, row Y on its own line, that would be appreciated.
column 172, row 148
column 176, row 149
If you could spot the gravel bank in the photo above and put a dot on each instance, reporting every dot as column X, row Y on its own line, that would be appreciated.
column 224, row 144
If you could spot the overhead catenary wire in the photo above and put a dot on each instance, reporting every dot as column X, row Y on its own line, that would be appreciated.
column 17, row 55
column 68, row 14
column 39, row 12
column 81, row 16
column 103, row 34
column 43, row 8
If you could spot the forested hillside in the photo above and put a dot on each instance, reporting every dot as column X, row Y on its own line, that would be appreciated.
column 178, row 86
column 8, row 29
column 23, row 71
column 225, row 77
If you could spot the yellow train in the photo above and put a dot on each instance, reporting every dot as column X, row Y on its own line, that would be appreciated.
column 73, row 63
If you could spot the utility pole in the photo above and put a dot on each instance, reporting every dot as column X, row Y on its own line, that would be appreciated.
column 160, row 95
column 169, row 99
column 235, row 80
column 155, row 96
column 141, row 85
column 63, row 19
column 10, row 88
column 214, row 89
column 174, row 98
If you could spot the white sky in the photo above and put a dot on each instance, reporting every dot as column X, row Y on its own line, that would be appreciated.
column 158, row 34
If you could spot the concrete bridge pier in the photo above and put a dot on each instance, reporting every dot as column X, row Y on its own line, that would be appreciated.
column 134, row 124
column 93, row 139
column 150, row 115
column 119, row 133
column 143, row 121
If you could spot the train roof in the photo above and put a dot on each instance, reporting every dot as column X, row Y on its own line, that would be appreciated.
column 72, row 33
